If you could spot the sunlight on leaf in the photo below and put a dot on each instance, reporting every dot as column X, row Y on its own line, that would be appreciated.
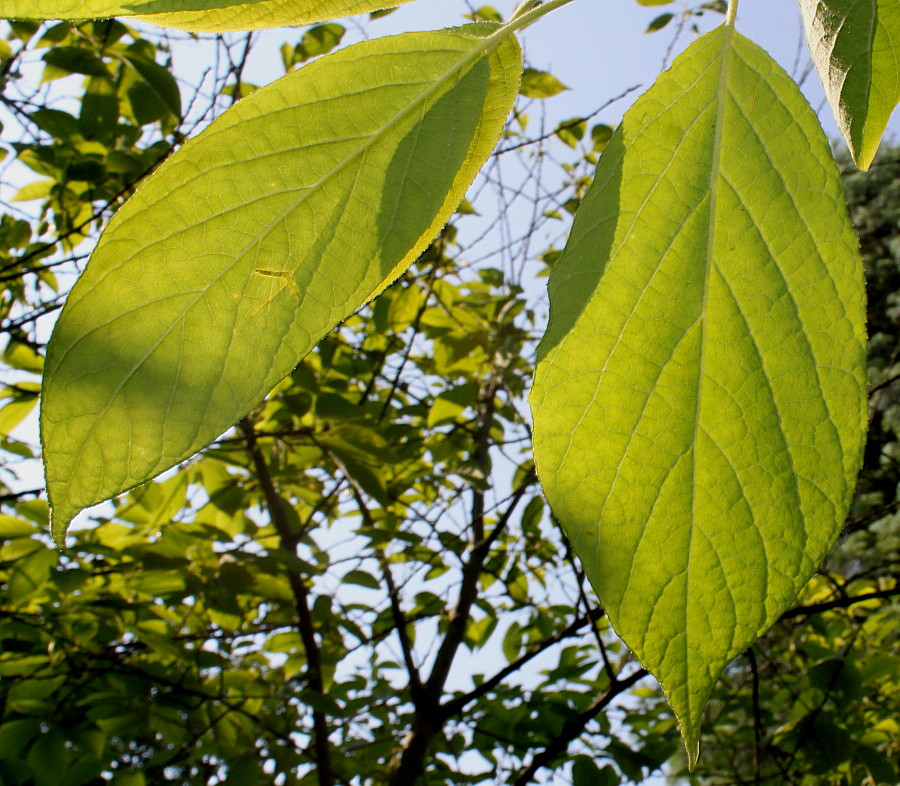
column 196, row 15
column 699, row 401
column 288, row 213
column 855, row 47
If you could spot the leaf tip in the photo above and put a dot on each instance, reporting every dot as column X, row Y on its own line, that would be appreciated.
column 862, row 158
column 691, row 740
column 60, row 518
column 59, row 526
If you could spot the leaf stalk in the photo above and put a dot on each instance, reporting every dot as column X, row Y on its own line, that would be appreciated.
column 731, row 12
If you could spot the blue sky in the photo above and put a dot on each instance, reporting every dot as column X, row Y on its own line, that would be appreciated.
column 599, row 48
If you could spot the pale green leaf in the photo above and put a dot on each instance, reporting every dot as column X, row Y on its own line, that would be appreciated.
column 699, row 400
column 196, row 15
column 293, row 209
column 540, row 84
column 855, row 46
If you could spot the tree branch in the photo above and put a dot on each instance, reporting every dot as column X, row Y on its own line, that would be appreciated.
column 428, row 719
column 397, row 614
column 306, row 627
column 573, row 728
column 840, row 603
column 457, row 705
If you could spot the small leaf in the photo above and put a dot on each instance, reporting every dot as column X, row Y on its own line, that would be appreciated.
column 75, row 60
column 855, row 47
column 659, row 23
column 700, row 394
column 601, row 134
column 57, row 123
column 571, row 132
column 319, row 40
column 540, row 84
column 197, row 15
column 298, row 205
column 40, row 189
column 487, row 13
column 23, row 357
column 361, row 579
column 160, row 85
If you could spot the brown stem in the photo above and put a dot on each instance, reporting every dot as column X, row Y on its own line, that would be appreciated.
column 305, row 625
column 397, row 614
column 573, row 728
column 457, row 705
column 841, row 603
column 429, row 719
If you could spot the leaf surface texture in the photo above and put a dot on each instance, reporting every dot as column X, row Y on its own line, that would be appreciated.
column 259, row 236
column 699, row 399
column 196, row 15
column 855, row 46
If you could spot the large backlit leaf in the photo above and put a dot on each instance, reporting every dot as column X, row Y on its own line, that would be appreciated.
column 855, row 45
column 289, row 212
column 699, row 401
column 197, row 15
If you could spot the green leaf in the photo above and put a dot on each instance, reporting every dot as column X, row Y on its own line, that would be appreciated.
column 700, row 394
column 540, row 84
column 487, row 13
column 571, row 132
column 600, row 135
column 319, row 40
column 361, row 579
column 659, row 23
column 157, row 87
column 293, row 209
column 855, row 47
column 196, row 15
column 39, row 189
column 76, row 60
column 13, row 413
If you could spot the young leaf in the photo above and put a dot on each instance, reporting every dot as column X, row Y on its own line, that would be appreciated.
column 540, row 84
column 197, row 15
column 700, row 394
column 293, row 209
column 855, row 47
column 659, row 23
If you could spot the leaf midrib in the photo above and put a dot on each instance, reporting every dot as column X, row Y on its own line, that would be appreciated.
column 715, row 168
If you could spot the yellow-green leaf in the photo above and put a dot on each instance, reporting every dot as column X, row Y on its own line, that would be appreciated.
column 289, row 212
column 700, row 394
column 855, row 46
column 196, row 15
column 540, row 84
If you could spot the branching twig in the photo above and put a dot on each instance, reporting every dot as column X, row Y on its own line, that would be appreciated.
column 573, row 728
column 840, row 603
column 306, row 627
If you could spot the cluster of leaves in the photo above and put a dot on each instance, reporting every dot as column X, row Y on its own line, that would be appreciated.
column 94, row 158
column 78, row 167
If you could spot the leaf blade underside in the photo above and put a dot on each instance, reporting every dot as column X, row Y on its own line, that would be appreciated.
column 214, row 16
column 700, row 390
column 855, row 47
column 288, row 213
